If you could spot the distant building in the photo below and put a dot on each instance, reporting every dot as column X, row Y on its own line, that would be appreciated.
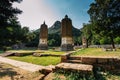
column 43, row 37
column 66, row 34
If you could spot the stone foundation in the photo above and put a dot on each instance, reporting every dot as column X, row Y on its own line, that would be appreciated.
column 67, row 47
column 43, row 47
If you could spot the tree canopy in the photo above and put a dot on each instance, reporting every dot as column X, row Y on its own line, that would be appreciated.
column 8, row 22
column 105, row 15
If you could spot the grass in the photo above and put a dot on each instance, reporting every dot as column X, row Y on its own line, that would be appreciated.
column 45, row 61
column 97, row 52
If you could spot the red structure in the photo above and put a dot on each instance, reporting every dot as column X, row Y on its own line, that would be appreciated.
column 43, row 37
column 66, row 34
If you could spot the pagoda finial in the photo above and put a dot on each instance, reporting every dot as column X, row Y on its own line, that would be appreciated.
column 66, row 16
column 44, row 22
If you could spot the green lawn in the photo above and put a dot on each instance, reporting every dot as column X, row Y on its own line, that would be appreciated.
column 97, row 52
column 47, row 60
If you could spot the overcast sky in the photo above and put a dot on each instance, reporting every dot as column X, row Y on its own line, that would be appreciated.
column 35, row 12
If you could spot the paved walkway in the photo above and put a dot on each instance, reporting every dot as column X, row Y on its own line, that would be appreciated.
column 23, row 65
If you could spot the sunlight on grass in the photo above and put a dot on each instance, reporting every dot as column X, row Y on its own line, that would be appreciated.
column 47, row 60
column 97, row 52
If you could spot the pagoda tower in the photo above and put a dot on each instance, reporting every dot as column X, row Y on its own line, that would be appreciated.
column 43, row 37
column 66, row 34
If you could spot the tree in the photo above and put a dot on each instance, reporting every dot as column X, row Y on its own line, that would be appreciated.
column 105, row 15
column 117, row 40
column 54, row 39
column 87, row 33
column 8, row 21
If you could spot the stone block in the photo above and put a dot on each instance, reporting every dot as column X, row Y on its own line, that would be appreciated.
column 67, row 47
column 102, row 60
column 64, row 58
column 88, row 60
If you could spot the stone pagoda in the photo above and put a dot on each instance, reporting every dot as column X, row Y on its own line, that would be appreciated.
column 43, row 37
column 66, row 34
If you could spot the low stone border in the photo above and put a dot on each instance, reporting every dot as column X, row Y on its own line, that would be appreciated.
column 65, row 57
column 104, row 62
column 82, row 69
column 7, row 54
column 22, row 54
column 45, row 54
column 108, row 49
column 47, row 69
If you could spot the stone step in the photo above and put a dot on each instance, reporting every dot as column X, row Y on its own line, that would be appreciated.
column 46, row 70
column 7, row 54
column 83, row 68
column 75, row 58
column 74, row 61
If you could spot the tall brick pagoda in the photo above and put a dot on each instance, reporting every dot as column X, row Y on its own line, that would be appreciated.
column 43, row 37
column 66, row 34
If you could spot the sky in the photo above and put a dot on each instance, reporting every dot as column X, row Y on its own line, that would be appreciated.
column 35, row 12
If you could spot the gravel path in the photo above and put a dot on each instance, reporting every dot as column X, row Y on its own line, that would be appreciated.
column 23, row 65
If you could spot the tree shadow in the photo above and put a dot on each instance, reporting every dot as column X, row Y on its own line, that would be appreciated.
column 102, row 74
column 97, row 74
column 7, row 72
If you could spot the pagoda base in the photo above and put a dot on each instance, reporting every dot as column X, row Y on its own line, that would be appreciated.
column 43, row 47
column 66, row 47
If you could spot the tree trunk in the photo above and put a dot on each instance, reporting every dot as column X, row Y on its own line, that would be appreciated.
column 87, row 43
column 112, row 42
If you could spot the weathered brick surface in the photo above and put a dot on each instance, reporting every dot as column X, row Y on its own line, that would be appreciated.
column 65, row 57
column 88, row 60
column 104, row 62
column 22, row 54
column 83, row 68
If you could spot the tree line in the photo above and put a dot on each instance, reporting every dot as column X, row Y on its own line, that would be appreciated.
column 103, row 27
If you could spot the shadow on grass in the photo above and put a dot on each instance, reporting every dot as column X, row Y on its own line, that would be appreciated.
column 7, row 72
column 101, row 74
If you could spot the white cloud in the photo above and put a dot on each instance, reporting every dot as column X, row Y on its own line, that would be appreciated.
column 35, row 12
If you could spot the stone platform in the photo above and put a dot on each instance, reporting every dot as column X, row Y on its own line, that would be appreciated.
column 83, row 68
column 7, row 54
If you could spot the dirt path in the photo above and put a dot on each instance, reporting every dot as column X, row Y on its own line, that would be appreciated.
column 9, row 72
column 22, row 65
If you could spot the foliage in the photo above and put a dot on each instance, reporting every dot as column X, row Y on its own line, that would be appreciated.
column 117, row 40
column 54, row 40
column 1, row 52
column 87, row 33
column 74, row 75
column 105, row 40
column 105, row 18
column 8, row 22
